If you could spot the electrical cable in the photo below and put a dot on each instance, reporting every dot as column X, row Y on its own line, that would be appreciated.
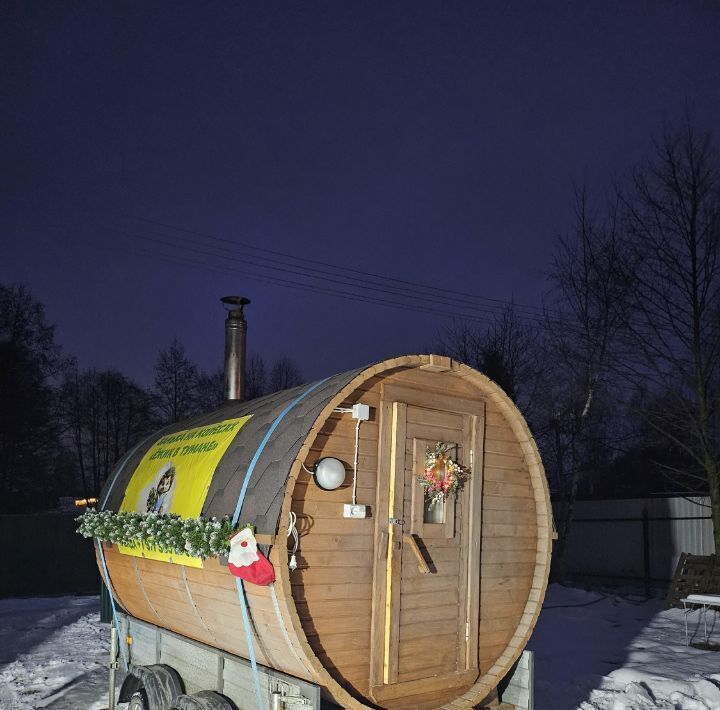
column 348, row 410
column 292, row 530
column 355, row 462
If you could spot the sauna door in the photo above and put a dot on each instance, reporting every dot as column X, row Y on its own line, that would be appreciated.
column 426, row 586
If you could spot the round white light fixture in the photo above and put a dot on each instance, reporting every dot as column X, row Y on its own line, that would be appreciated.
column 329, row 473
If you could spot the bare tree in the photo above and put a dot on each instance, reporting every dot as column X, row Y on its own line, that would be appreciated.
column 176, row 379
column 255, row 377
column 511, row 356
column 462, row 342
column 210, row 390
column 506, row 351
column 590, row 280
column 672, row 213
column 103, row 414
column 284, row 374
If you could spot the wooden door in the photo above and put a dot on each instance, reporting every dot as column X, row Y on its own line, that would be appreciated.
column 426, row 600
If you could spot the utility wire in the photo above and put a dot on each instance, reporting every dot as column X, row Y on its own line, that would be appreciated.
column 364, row 279
column 540, row 315
column 416, row 307
column 311, row 288
column 302, row 274
column 498, row 303
column 307, row 286
column 352, row 281
column 378, row 282
column 193, row 263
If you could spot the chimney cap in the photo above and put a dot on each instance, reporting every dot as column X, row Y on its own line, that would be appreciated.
column 238, row 301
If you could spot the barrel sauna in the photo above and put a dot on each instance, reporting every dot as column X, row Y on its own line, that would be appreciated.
column 396, row 610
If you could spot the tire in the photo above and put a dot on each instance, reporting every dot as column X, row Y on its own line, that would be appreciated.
column 138, row 701
column 204, row 700
column 151, row 687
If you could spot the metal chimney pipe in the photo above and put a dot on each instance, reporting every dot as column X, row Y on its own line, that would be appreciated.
column 235, row 336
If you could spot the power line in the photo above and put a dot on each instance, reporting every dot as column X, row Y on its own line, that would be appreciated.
column 174, row 258
column 378, row 282
column 474, row 308
column 536, row 310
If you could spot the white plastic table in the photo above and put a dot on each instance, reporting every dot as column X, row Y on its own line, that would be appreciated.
column 705, row 602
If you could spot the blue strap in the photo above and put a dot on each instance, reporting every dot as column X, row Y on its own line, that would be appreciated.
column 264, row 442
column 236, row 515
column 123, row 650
column 251, row 645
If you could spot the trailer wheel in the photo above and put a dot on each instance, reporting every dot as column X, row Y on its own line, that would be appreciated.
column 204, row 700
column 138, row 701
column 153, row 687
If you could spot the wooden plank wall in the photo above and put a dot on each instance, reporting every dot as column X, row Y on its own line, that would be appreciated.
column 202, row 604
column 332, row 587
column 509, row 539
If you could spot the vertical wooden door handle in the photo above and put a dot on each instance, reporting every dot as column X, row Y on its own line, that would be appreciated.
column 422, row 565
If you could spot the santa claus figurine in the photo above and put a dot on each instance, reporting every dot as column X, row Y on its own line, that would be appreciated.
column 246, row 562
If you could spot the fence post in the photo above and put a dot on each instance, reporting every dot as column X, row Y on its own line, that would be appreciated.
column 646, row 551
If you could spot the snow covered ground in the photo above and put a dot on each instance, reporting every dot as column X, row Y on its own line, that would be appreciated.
column 594, row 651
column 606, row 652
column 53, row 654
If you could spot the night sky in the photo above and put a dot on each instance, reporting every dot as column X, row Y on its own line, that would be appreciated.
column 146, row 147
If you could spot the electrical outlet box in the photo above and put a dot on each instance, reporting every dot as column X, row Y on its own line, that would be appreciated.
column 356, row 511
column 361, row 412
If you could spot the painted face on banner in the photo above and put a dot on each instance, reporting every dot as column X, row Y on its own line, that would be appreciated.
column 243, row 549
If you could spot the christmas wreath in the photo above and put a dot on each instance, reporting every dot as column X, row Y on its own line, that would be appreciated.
column 442, row 476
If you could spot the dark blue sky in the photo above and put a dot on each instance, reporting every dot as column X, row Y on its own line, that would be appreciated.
column 433, row 142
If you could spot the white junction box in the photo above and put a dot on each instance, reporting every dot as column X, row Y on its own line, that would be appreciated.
column 361, row 412
column 351, row 510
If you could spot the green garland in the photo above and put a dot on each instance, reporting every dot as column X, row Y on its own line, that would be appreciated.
column 196, row 537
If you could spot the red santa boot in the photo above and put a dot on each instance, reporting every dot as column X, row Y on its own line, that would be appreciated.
column 246, row 562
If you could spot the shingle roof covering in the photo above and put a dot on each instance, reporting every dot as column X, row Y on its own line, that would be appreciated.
column 264, row 496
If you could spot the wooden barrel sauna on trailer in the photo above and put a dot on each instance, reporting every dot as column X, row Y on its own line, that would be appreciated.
column 395, row 603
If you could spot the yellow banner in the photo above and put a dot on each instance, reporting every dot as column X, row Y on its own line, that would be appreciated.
column 174, row 476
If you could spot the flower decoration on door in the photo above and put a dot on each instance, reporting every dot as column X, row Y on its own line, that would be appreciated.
column 442, row 477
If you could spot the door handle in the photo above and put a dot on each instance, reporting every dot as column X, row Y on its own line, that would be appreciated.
column 422, row 565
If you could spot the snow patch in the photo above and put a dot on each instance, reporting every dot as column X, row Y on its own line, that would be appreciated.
column 598, row 651
column 593, row 651
column 54, row 654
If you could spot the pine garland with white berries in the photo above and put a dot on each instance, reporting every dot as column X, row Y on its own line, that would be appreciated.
column 196, row 537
